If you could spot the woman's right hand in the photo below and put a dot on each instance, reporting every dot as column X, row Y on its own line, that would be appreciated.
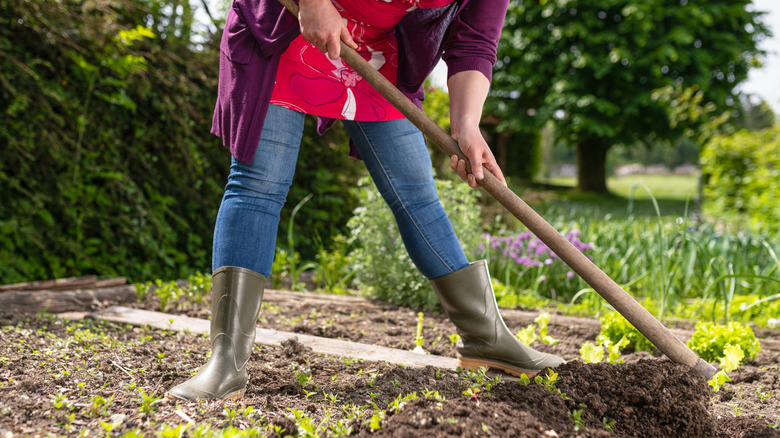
column 322, row 25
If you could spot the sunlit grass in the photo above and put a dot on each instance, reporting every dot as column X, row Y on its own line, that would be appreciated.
column 669, row 187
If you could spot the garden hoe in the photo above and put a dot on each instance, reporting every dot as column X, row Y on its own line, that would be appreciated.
column 637, row 315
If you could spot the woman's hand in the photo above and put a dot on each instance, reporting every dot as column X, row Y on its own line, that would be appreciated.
column 468, row 90
column 474, row 147
column 322, row 25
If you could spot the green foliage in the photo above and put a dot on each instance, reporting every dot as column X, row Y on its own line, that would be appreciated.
column 742, row 176
column 109, row 166
column 593, row 66
column 333, row 272
column 719, row 379
column 614, row 327
column 384, row 269
column 710, row 340
column 325, row 171
column 591, row 353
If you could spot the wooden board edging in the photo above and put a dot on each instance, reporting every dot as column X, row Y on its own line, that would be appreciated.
column 270, row 337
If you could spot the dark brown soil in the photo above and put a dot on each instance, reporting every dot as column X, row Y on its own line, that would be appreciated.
column 69, row 378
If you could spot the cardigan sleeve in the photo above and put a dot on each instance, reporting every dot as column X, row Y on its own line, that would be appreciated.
column 473, row 37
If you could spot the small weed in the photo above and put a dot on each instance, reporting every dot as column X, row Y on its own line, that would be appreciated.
column 230, row 414
column 98, row 406
column 148, row 401
column 303, row 377
column 579, row 423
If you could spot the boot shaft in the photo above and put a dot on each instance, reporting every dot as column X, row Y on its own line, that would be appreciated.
column 236, row 298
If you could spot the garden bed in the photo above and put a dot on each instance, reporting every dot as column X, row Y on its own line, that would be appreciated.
column 65, row 377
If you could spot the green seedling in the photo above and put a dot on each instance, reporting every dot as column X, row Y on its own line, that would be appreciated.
column 60, row 402
column 230, row 414
column 472, row 392
column 454, row 338
column 579, row 423
column 173, row 432
column 99, row 406
column 419, row 341
column 303, row 377
column 376, row 420
column 608, row 425
column 485, row 429
column 548, row 381
column 543, row 320
column 148, row 401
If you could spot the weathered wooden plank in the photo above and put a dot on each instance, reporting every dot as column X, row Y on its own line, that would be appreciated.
column 271, row 337
column 72, row 283
column 110, row 282
column 58, row 284
column 63, row 300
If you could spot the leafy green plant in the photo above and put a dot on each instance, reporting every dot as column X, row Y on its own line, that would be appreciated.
column 719, row 379
column 384, row 269
column 614, row 327
column 543, row 321
column 591, row 353
column 710, row 340
column 527, row 335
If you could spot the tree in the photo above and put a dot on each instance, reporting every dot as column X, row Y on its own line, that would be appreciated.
column 756, row 116
column 593, row 66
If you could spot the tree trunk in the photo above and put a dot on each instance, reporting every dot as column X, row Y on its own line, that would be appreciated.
column 592, row 166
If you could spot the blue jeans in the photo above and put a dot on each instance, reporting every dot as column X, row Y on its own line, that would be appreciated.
column 397, row 159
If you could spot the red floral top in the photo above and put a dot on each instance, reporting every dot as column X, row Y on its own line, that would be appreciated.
column 310, row 82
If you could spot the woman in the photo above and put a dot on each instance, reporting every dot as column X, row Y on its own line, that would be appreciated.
column 274, row 69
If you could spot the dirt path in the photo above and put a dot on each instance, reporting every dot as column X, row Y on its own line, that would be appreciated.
column 65, row 377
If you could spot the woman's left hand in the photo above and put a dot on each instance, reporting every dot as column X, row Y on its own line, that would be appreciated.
column 468, row 90
column 474, row 147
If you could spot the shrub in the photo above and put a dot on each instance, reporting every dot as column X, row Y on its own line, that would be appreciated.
column 384, row 269
column 742, row 175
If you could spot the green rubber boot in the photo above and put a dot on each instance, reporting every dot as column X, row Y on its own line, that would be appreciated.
column 467, row 297
column 236, row 296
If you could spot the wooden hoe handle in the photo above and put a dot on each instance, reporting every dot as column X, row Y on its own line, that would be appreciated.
column 637, row 315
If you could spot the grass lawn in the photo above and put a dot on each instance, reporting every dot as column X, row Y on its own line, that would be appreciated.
column 674, row 193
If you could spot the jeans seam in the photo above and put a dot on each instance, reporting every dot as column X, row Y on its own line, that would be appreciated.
column 403, row 204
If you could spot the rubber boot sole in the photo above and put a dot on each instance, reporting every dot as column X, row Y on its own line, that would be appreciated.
column 233, row 396
column 474, row 364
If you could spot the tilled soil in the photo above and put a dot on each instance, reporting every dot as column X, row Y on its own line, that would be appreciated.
column 90, row 377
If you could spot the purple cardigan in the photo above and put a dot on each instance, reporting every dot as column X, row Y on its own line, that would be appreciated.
column 257, row 32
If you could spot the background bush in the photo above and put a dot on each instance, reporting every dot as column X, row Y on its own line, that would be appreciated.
column 742, row 176
column 383, row 268
column 108, row 166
